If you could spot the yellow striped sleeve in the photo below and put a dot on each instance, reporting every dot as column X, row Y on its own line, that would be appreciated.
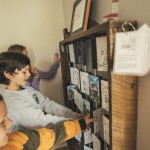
column 44, row 138
column 72, row 129
column 17, row 140
column 47, row 138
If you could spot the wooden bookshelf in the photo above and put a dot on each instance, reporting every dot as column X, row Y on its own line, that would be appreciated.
column 122, row 89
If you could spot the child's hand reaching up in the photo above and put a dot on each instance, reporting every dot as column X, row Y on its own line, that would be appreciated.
column 34, row 72
column 56, row 58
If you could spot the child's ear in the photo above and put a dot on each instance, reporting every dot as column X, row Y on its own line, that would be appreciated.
column 8, row 75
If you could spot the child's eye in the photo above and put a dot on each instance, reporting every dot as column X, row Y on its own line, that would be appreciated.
column 24, row 72
column 2, row 123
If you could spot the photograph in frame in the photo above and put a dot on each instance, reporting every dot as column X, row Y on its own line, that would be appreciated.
column 80, row 15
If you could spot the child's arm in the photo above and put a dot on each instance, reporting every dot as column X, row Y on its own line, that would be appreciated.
column 33, row 80
column 51, row 107
column 34, row 84
column 52, row 71
column 43, row 75
column 29, row 116
column 45, row 139
column 27, row 108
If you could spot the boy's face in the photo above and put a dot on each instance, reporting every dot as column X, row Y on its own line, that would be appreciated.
column 19, row 77
column 5, row 124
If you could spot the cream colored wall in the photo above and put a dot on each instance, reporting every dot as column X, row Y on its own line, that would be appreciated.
column 99, row 9
column 96, row 12
column 138, row 10
column 37, row 24
column 68, row 6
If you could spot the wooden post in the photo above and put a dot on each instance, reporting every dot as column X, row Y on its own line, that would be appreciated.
column 124, row 112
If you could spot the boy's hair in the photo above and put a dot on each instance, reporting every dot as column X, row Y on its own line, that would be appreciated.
column 9, row 62
column 16, row 48
column 1, row 97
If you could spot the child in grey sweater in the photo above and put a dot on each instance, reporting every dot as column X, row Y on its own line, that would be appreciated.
column 27, row 108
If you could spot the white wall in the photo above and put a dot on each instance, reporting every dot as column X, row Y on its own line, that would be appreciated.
column 37, row 24
column 137, row 10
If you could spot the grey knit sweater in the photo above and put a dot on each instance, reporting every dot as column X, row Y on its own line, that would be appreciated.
column 28, row 108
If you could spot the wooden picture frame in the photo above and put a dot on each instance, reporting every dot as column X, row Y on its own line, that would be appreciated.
column 80, row 15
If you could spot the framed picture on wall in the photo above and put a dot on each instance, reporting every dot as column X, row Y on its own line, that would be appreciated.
column 80, row 15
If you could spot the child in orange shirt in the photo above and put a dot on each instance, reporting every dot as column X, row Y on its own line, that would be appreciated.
column 41, row 139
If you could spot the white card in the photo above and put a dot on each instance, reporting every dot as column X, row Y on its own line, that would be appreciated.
column 101, row 46
column 105, row 94
column 88, row 137
column 87, row 148
column 71, row 53
column 78, row 100
column 96, row 114
column 84, row 82
column 96, row 143
column 106, row 129
column 74, row 73
column 78, row 137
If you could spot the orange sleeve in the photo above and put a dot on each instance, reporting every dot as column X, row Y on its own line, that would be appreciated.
column 72, row 129
column 44, row 138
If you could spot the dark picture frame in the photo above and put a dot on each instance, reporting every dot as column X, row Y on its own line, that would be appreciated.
column 80, row 15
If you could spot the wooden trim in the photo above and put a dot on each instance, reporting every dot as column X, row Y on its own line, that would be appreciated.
column 87, row 15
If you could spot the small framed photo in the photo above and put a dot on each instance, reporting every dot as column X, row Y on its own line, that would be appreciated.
column 80, row 15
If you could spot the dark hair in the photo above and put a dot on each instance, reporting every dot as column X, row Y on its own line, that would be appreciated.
column 1, row 97
column 16, row 48
column 9, row 62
